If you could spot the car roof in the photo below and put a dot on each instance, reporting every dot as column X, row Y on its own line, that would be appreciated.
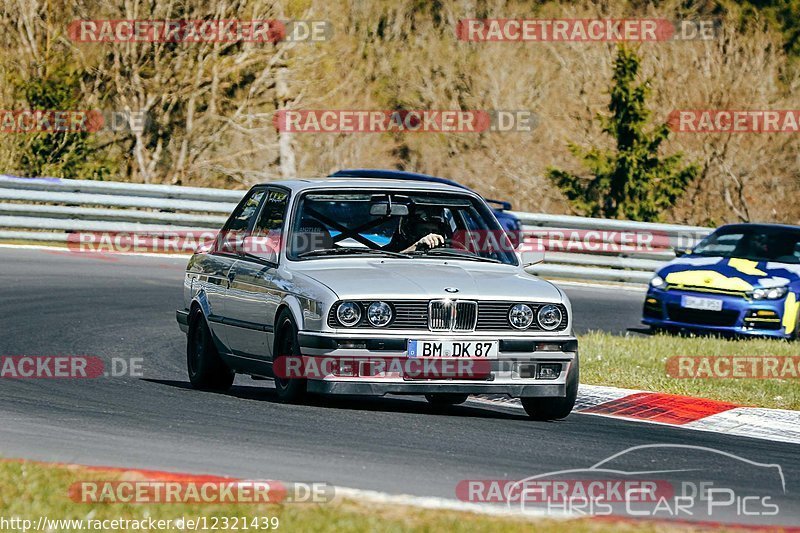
column 757, row 225
column 394, row 175
column 299, row 185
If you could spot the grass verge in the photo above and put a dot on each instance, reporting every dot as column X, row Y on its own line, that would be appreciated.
column 639, row 362
column 29, row 490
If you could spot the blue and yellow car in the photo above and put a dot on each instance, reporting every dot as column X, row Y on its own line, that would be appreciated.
column 743, row 279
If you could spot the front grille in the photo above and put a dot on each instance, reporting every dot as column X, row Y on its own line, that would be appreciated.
column 453, row 315
column 695, row 288
column 466, row 316
column 410, row 315
column 487, row 315
column 493, row 316
column 762, row 319
column 724, row 318
column 439, row 316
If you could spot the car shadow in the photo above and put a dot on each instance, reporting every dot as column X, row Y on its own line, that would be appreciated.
column 688, row 333
column 387, row 404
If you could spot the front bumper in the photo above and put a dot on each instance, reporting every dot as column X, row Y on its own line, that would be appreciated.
column 739, row 316
column 517, row 359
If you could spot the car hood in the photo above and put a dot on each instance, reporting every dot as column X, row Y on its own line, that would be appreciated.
column 426, row 279
column 729, row 274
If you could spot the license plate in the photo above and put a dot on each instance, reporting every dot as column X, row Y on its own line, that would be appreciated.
column 483, row 349
column 704, row 304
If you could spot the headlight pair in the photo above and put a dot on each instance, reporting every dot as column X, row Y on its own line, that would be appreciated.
column 770, row 293
column 379, row 314
column 549, row 316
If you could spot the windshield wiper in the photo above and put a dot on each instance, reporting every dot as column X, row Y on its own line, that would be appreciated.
column 346, row 250
column 459, row 255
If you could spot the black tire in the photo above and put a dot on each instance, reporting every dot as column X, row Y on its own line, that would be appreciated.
column 796, row 334
column 555, row 408
column 290, row 390
column 207, row 371
column 446, row 399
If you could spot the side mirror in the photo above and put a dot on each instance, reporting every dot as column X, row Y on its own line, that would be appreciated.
column 262, row 247
column 680, row 252
column 529, row 258
column 232, row 243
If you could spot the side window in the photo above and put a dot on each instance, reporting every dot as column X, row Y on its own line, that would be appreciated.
column 267, row 234
column 233, row 233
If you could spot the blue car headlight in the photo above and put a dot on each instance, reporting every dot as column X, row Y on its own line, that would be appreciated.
column 769, row 293
column 658, row 282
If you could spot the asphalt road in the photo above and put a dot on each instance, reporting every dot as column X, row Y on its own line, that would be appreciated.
column 62, row 303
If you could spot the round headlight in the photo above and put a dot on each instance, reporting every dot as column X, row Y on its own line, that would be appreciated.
column 348, row 313
column 379, row 314
column 657, row 282
column 549, row 317
column 520, row 316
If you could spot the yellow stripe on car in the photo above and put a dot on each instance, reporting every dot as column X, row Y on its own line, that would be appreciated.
column 746, row 267
column 707, row 278
column 790, row 308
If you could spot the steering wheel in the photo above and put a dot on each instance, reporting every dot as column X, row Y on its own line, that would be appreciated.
column 456, row 245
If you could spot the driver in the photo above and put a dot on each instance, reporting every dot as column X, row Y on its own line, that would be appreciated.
column 759, row 246
column 422, row 229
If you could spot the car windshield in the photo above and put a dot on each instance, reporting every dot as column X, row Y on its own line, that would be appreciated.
column 397, row 224
column 780, row 245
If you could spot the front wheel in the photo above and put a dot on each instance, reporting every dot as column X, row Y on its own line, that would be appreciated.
column 287, row 352
column 207, row 371
column 445, row 399
column 555, row 408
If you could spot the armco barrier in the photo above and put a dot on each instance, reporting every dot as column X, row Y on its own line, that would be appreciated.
column 47, row 209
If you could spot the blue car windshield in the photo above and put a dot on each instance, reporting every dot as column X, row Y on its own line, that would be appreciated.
column 338, row 222
column 779, row 245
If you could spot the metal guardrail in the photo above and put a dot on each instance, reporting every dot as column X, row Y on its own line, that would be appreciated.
column 49, row 209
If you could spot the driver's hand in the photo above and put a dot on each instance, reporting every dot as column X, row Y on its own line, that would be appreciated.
column 431, row 240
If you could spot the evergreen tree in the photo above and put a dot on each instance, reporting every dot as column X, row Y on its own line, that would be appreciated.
column 632, row 181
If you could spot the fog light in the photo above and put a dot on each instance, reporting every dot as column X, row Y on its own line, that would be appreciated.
column 549, row 370
column 526, row 371
column 347, row 368
column 548, row 347
column 372, row 368
column 352, row 345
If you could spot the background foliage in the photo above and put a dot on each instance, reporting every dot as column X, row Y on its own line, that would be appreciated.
column 210, row 105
